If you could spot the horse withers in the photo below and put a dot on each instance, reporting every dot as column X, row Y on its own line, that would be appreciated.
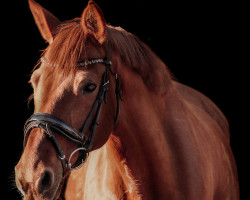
column 110, row 122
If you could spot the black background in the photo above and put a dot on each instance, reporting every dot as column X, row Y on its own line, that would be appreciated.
column 203, row 44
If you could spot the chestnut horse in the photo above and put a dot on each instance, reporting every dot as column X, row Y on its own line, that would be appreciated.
column 164, row 140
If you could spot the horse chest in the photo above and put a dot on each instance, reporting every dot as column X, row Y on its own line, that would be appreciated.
column 98, row 179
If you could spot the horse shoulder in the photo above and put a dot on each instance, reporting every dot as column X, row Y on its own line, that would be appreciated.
column 192, row 96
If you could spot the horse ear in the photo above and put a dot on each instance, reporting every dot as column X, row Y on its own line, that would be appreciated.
column 93, row 22
column 46, row 22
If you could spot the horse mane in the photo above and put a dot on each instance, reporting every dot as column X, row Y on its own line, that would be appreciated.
column 69, row 47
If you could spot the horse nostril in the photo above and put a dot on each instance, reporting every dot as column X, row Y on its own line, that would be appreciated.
column 45, row 182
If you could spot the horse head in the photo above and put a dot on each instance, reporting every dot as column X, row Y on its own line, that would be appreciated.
column 75, row 97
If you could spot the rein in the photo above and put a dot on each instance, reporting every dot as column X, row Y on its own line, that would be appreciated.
column 50, row 124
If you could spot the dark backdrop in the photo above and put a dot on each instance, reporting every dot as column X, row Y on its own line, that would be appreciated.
column 203, row 44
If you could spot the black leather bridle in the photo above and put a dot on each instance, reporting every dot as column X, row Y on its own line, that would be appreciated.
column 50, row 124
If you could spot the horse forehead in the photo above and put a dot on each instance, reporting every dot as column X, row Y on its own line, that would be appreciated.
column 52, row 85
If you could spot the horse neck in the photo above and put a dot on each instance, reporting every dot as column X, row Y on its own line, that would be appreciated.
column 159, row 135
column 141, row 130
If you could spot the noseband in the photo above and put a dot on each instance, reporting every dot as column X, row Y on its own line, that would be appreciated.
column 50, row 124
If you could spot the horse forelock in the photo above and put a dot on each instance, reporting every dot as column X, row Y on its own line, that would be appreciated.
column 67, row 48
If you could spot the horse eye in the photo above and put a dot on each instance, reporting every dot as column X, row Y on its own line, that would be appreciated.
column 89, row 87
